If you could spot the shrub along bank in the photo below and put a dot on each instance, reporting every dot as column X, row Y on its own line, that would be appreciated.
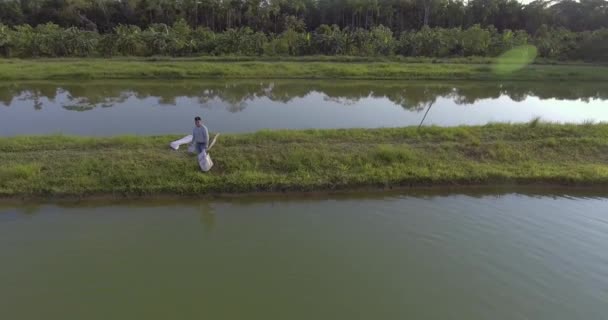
column 179, row 39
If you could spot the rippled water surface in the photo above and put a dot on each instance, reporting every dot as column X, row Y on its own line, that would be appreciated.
column 509, row 256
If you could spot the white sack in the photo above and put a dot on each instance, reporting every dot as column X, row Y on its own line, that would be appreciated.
column 204, row 161
column 187, row 139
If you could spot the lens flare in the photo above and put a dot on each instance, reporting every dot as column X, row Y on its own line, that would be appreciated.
column 515, row 59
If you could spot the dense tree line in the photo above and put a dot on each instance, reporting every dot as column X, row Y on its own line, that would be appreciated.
column 272, row 16
column 51, row 40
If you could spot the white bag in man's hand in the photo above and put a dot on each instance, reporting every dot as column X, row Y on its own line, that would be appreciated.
column 204, row 161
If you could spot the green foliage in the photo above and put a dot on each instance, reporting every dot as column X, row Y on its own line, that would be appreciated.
column 240, row 42
column 330, row 40
column 24, row 41
column 181, row 43
column 290, row 42
column 507, row 40
column 555, row 43
column 593, row 46
column 161, row 39
column 48, row 40
column 106, row 46
column 203, row 40
column 430, row 42
column 6, row 41
column 157, row 39
column 177, row 40
column 475, row 41
column 276, row 47
column 277, row 16
column 78, row 43
column 382, row 41
column 439, row 42
column 129, row 40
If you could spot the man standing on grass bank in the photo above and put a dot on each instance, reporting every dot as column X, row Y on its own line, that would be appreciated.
column 200, row 136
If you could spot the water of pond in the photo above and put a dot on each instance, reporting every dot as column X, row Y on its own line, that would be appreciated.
column 161, row 107
column 508, row 256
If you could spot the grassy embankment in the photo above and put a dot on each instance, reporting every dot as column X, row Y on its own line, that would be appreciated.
column 309, row 68
column 316, row 160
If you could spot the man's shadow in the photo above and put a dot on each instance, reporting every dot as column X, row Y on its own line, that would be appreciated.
column 207, row 217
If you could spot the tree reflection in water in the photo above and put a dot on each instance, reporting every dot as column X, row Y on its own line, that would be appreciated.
column 237, row 94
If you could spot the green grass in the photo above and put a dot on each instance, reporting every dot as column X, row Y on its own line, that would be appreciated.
column 303, row 161
column 320, row 58
column 309, row 68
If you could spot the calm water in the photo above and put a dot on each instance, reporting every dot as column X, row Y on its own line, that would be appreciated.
column 435, row 257
column 160, row 107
